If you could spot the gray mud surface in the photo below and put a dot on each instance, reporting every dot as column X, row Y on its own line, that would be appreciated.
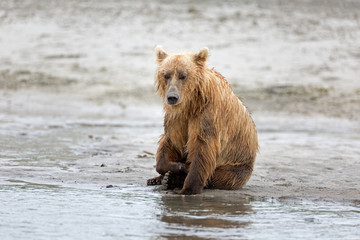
column 79, row 119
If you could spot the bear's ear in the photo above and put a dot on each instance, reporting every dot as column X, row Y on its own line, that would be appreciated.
column 202, row 55
column 160, row 53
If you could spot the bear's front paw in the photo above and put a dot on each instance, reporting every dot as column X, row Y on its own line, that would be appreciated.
column 155, row 181
column 165, row 182
column 172, row 181
column 191, row 190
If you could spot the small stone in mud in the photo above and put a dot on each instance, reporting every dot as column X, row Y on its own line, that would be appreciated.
column 103, row 165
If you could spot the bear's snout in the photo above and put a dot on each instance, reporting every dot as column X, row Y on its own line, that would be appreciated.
column 172, row 98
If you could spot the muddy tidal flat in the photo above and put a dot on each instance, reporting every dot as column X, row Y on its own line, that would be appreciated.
column 80, row 121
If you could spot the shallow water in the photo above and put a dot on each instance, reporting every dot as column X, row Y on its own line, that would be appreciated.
column 41, row 211
column 81, row 179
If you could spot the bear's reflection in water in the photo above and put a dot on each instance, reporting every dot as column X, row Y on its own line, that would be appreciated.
column 205, row 212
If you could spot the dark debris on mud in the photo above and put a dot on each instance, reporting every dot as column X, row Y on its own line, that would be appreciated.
column 307, row 100
column 24, row 79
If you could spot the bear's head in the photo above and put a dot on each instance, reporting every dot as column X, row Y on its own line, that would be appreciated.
column 178, row 75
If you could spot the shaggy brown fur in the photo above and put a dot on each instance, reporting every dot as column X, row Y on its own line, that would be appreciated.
column 209, row 136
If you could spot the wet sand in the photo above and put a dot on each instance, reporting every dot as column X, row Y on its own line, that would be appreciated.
column 300, row 156
column 78, row 108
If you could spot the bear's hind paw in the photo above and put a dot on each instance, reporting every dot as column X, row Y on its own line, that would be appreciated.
column 155, row 181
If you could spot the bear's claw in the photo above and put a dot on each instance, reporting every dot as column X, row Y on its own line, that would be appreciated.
column 166, row 181
column 155, row 181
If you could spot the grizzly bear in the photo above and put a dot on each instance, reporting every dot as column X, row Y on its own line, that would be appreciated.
column 209, row 137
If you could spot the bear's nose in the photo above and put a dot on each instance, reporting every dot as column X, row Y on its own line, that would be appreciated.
column 172, row 98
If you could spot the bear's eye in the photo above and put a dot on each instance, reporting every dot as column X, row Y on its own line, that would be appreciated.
column 182, row 77
column 167, row 76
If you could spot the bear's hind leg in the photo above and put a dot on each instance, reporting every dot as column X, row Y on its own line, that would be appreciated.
column 230, row 177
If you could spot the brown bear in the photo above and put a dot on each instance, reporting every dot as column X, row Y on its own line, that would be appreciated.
column 209, row 139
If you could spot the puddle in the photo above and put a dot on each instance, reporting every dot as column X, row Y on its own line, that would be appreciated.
column 40, row 211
